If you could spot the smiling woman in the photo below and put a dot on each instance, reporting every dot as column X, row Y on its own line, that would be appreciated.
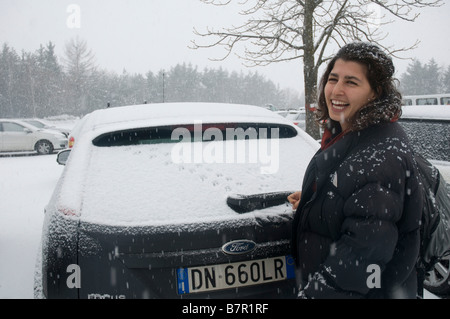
column 356, row 228
column 363, row 80
column 347, row 91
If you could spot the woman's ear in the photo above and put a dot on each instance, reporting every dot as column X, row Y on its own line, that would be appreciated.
column 375, row 94
column 378, row 92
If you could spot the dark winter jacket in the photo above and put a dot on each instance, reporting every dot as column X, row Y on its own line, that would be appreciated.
column 356, row 230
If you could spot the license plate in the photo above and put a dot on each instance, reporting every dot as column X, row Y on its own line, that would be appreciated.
column 232, row 275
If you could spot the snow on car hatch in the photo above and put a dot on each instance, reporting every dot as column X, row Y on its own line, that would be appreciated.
column 110, row 182
column 141, row 184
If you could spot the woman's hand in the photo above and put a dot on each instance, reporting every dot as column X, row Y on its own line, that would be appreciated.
column 294, row 199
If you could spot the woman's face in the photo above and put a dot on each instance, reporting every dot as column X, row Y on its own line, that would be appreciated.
column 347, row 90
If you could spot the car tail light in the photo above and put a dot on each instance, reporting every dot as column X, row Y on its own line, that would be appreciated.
column 71, row 142
column 68, row 211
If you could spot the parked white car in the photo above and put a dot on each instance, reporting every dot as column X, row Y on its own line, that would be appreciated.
column 19, row 136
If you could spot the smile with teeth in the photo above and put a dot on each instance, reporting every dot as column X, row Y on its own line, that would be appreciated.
column 339, row 105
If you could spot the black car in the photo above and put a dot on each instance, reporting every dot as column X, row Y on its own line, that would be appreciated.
column 152, row 204
column 428, row 127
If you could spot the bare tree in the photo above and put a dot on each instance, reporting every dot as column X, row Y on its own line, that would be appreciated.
column 80, row 65
column 78, row 58
column 282, row 30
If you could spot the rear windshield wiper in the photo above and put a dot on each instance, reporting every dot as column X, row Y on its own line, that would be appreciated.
column 247, row 203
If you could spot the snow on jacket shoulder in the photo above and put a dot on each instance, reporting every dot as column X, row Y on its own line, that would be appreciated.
column 356, row 231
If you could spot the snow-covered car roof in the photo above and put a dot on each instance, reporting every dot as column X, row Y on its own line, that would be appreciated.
column 142, row 184
column 117, row 118
column 426, row 112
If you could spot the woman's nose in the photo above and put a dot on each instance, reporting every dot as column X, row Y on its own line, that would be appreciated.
column 338, row 89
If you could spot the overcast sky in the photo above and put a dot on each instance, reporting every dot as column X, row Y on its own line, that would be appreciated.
column 150, row 35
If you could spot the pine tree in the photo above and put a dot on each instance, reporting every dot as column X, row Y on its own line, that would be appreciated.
column 9, row 81
column 431, row 78
column 49, row 77
column 411, row 81
column 446, row 81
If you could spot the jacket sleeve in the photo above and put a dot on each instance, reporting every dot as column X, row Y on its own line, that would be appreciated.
column 368, row 239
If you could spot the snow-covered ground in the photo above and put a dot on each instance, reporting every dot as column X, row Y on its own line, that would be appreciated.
column 26, row 185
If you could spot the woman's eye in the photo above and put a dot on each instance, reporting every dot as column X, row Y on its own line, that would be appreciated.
column 332, row 80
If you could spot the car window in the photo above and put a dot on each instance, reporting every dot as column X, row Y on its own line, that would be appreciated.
column 406, row 102
column 427, row 101
column 36, row 123
column 191, row 133
column 12, row 127
column 445, row 100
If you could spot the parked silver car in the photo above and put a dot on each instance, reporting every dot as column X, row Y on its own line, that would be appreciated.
column 19, row 136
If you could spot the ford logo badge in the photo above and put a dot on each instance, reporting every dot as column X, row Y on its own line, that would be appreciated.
column 237, row 247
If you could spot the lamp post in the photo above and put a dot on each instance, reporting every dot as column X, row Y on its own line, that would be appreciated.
column 163, row 86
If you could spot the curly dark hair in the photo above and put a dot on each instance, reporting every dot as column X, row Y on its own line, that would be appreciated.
column 386, row 107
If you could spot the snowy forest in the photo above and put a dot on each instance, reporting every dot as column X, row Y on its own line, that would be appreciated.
column 425, row 78
column 39, row 84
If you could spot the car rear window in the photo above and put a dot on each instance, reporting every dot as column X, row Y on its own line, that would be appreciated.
column 194, row 132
